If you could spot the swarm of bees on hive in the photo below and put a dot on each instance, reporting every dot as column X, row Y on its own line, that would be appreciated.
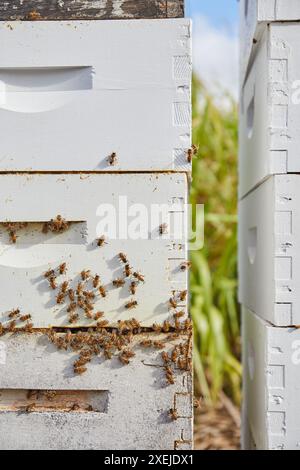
column 100, row 338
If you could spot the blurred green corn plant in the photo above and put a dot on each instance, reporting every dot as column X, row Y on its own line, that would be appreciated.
column 214, row 305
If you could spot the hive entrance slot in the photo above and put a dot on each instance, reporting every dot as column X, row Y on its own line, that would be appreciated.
column 41, row 401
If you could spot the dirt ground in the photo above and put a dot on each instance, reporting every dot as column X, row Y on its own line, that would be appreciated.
column 216, row 429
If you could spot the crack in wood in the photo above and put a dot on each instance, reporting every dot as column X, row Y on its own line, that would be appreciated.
column 90, row 9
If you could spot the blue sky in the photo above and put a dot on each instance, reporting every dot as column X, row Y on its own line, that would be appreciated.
column 222, row 13
column 215, row 43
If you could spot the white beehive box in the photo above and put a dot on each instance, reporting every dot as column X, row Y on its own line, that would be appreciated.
column 269, row 250
column 74, row 92
column 88, row 203
column 271, row 385
column 130, row 404
column 254, row 16
column 270, row 110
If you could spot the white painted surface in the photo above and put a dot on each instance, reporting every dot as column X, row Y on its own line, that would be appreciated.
column 2, row 353
column 137, row 414
column 271, row 395
column 73, row 92
column 39, row 198
column 254, row 16
column 269, row 253
column 270, row 110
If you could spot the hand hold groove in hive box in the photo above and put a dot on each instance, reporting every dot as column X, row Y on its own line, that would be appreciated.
column 70, row 105
column 134, row 398
column 54, row 401
column 91, row 266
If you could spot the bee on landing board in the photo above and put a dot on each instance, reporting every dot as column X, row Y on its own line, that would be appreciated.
column 102, row 291
column 101, row 241
column 112, row 159
column 63, row 268
column 123, row 258
column 140, row 277
column 132, row 304
column 127, row 270
column 163, row 229
column 133, row 287
column 118, row 282
column 185, row 266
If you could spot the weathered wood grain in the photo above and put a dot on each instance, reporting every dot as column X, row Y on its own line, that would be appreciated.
column 89, row 9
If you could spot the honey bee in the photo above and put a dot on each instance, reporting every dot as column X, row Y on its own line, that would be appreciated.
column 80, row 370
column 13, row 236
column 133, row 287
column 96, row 281
column 123, row 258
column 173, row 302
column 183, row 295
column 132, row 304
column 101, row 241
column 112, row 159
column 60, row 298
column 88, row 306
column 81, row 303
column 73, row 318
column 163, row 229
column 102, row 291
column 197, row 403
column 188, row 324
column 134, row 323
column 52, row 282
column 165, row 357
column 126, row 355
column 157, row 328
column 85, row 274
column 89, row 295
column 72, row 307
column 119, row 282
column 170, row 376
column 178, row 325
column 186, row 265
column 180, row 314
column 28, row 328
column 14, row 313
column 98, row 315
column 146, row 343
column 173, row 414
column 174, row 355
column 181, row 363
column 127, row 271
column 49, row 273
column 79, row 288
column 139, row 277
column 103, row 324
column 64, row 287
column 63, row 268
column 158, row 344
column 11, row 326
column 166, row 326
column 33, row 16
column 191, row 152
column 71, row 295
column 88, row 314
column 68, row 337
